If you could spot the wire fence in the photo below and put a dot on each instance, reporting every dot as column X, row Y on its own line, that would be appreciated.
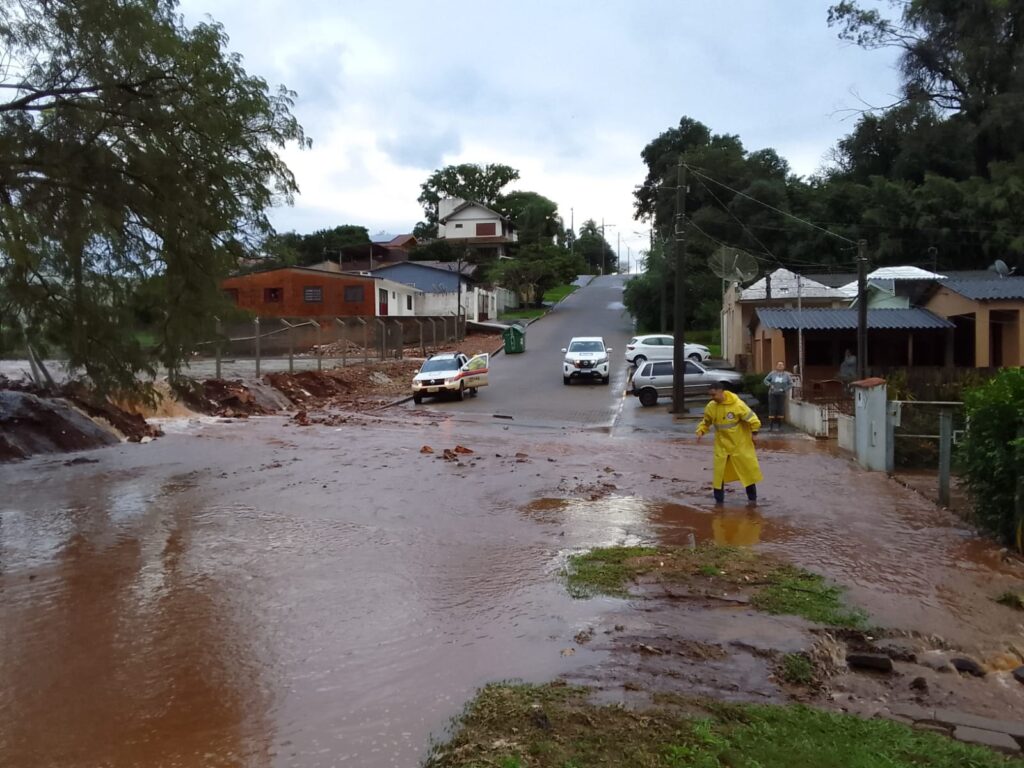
column 315, row 342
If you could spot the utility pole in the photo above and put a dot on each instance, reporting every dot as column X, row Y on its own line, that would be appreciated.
column 800, row 328
column 679, row 319
column 618, row 251
column 572, row 228
column 862, row 309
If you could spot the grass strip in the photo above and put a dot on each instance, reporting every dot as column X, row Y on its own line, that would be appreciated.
column 556, row 726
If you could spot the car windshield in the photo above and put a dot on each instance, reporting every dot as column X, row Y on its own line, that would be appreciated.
column 586, row 346
column 444, row 364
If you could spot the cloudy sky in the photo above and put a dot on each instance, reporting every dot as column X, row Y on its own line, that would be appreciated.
column 566, row 91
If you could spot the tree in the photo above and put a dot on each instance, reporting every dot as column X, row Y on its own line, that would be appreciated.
column 534, row 216
column 597, row 254
column 962, row 57
column 537, row 268
column 480, row 183
column 134, row 148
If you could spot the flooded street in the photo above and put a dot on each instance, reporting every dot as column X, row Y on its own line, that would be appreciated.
column 262, row 594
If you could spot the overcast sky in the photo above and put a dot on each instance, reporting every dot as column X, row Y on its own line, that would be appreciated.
column 568, row 92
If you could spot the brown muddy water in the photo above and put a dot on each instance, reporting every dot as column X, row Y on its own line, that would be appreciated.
column 256, row 593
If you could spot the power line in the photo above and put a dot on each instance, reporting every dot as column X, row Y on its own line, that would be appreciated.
column 746, row 229
column 781, row 212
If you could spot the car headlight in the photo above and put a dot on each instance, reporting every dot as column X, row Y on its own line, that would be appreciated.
column 602, row 361
column 449, row 380
column 568, row 362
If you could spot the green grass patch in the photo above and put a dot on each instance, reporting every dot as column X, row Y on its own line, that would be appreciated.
column 558, row 293
column 799, row 593
column 773, row 586
column 1011, row 600
column 556, row 726
column 527, row 313
column 604, row 571
column 796, row 669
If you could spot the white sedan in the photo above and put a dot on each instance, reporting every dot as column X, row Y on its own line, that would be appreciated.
column 658, row 346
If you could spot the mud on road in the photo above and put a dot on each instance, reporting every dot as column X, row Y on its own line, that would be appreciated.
column 267, row 593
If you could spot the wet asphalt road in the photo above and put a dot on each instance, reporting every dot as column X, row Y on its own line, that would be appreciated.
column 528, row 387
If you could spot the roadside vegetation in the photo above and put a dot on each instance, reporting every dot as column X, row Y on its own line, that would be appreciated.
column 556, row 726
column 771, row 586
column 991, row 455
column 551, row 296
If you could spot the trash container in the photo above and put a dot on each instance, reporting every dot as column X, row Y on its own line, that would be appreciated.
column 515, row 339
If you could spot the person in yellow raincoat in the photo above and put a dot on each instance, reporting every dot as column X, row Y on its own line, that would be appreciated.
column 735, row 426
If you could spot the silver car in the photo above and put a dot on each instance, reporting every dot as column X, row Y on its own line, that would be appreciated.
column 654, row 379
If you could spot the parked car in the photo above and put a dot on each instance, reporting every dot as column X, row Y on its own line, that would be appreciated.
column 654, row 379
column 658, row 346
column 450, row 373
column 586, row 357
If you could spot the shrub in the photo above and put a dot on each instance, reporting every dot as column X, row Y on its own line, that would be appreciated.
column 992, row 452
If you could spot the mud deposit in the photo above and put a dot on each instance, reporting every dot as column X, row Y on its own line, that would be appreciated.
column 264, row 593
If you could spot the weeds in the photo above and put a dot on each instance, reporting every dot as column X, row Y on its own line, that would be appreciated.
column 1011, row 600
column 554, row 726
column 796, row 669
column 773, row 587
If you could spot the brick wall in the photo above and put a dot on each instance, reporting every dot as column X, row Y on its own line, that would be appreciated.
column 251, row 293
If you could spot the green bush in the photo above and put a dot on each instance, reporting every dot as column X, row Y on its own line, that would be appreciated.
column 992, row 452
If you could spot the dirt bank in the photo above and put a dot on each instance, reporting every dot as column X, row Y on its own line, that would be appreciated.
column 30, row 424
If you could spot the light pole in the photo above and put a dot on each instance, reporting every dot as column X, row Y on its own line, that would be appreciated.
column 604, row 243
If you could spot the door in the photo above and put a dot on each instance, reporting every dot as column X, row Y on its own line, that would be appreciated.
column 661, row 377
column 475, row 371
column 382, row 302
column 695, row 379
column 664, row 348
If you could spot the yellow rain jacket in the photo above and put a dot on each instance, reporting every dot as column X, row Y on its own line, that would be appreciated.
column 733, row 422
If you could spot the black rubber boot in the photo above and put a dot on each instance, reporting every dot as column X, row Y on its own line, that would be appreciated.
column 719, row 495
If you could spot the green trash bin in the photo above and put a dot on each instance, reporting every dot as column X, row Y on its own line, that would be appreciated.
column 515, row 339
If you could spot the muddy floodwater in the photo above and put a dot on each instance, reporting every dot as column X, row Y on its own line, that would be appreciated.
column 257, row 593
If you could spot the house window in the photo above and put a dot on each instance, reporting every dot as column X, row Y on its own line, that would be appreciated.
column 273, row 295
column 231, row 294
column 458, row 226
column 408, row 302
column 354, row 294
column 313, row 294
column 486, row 230
column 393, row 295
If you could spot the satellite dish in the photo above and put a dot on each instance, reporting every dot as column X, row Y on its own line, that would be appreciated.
column 1000, row 268
column 733, row 265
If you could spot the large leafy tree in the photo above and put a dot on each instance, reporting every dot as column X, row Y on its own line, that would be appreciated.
column 138, row 162
column 318, row 246
column 535, row 217
column 480, row 183
column 537, row 268
column 965, row 57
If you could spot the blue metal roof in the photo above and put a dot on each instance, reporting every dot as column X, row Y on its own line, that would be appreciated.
column 992, row 289
column 846, row 319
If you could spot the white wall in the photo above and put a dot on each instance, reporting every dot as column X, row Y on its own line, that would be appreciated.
column 809, row 417
column 397, row 298
column 847, row 432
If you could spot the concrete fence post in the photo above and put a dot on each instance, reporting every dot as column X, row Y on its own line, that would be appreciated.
column 433, row 332
column 256, row 343
column 400, row 341
column 344, row 342
column 1019, row 496
column 383, row 332
column 366, row 340
column 423, row 345
column 945, row 454
column 319, row 346
column 218, row 329
column 291, row 344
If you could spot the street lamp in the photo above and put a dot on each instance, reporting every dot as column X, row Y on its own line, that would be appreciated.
column 604, row 264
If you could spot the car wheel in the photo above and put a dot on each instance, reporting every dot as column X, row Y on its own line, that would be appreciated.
column 639, row 360
column 565, row 380
column 648, row 397
column 461, row 393
column 606, row 379
column 696, row 358
column 417, row 398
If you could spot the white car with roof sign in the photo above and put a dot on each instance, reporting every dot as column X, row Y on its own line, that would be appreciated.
column 586, row 357
column 450, row 373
